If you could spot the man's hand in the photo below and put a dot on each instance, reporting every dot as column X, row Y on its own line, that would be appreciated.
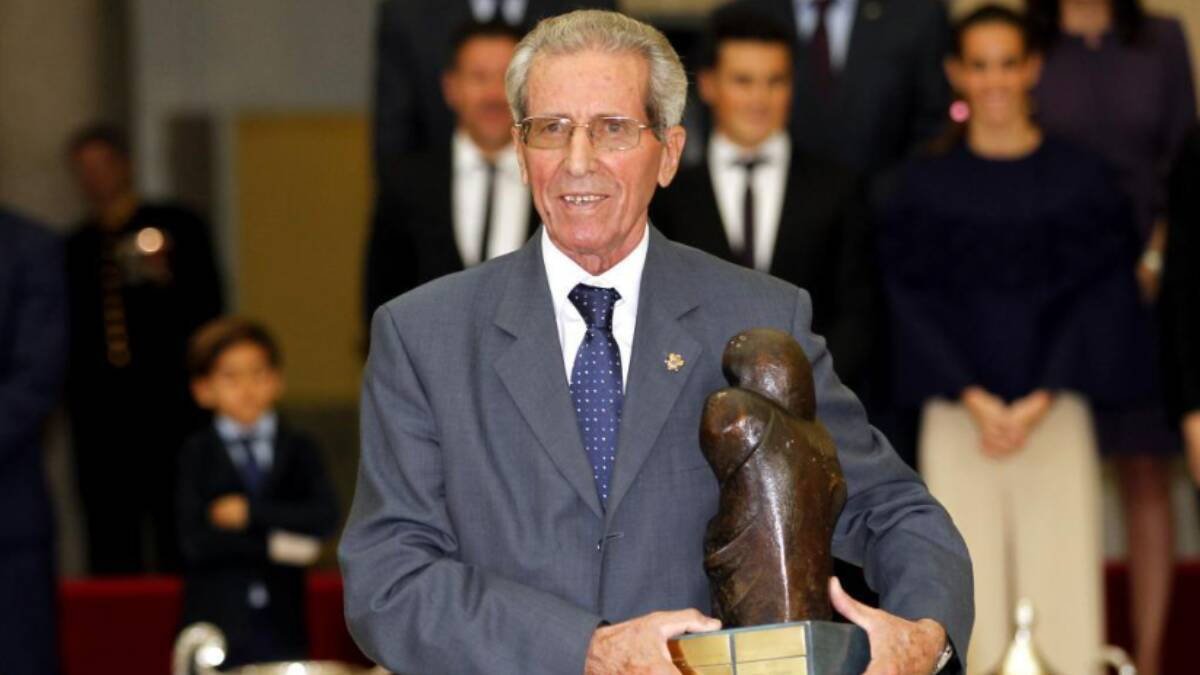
column 639, row 646
column 289, row 548
column 898, row 647
column 230, row 512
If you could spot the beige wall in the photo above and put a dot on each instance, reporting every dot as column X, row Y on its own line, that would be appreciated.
column 302, row 197
column 51, row 74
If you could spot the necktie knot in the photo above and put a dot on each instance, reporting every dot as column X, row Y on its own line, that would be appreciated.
column 822, row 5
column 749, row 164
column 595, row 305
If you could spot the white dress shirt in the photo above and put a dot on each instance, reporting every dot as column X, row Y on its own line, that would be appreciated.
column 512, row 10
column 626, row 277
column 263, row 434
column 839, row 23
column 770, row 183
column 510, row 201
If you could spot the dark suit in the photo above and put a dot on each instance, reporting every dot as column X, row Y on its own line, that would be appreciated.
column 296, row 496
column 477, row 542
column 823, row 245
column 129, row 420
column 891, row 93
column 33, row 346
column 412, row 241
column 1180, row 301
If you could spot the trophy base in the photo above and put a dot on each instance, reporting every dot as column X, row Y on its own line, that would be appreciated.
column 795, row 648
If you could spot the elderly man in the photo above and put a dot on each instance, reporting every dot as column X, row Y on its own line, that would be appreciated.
column 532, row 497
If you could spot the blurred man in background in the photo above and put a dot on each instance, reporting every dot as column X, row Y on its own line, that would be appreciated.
column 758, row 200
column 869, row 81
column 142, row 278
column 462, row 202
column 33, row 336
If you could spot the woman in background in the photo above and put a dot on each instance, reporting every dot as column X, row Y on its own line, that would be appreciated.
column 1007, row 265
column 1118, row 82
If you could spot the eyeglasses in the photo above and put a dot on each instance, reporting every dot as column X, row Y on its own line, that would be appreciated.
column 607, row 132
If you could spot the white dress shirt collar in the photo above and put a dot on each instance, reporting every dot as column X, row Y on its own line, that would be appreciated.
column 262, row 429
column 776, row 149
column 261, row 435
column 510, row 201
column 770, row 189
column 563, row 274
column 839, row 24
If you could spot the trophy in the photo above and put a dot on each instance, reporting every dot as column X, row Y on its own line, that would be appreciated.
column 200, row 649
column 1023, row 657
column 767, row 550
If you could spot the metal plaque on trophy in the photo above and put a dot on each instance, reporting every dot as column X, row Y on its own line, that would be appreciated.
column 767, row 551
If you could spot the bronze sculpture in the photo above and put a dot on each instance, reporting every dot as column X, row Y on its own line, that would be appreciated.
column 767, row 551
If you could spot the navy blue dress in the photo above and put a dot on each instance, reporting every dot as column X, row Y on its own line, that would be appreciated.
column 1012, row 275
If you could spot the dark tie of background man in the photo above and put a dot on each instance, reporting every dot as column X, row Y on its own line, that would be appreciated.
column 818, row 46
column 747, row 252
column 489, row 196
column 596, row 382
column 251, row 471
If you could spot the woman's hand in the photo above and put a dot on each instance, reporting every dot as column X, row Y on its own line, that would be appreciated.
column 1026, row 413
column 1005, row 428
column 991, row 417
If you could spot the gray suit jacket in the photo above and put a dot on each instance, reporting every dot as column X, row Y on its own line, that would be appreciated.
column 476, row 542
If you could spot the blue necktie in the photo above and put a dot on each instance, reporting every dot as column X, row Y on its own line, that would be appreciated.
column 596, row 382
column 251, row 471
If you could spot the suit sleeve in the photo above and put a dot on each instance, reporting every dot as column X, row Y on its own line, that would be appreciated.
column 395, row 123
column 931, row 91
column 391, row 264
column 410, row 604
column 314, row 512
column 891, row 526
column 201, row 543
column 37, row 344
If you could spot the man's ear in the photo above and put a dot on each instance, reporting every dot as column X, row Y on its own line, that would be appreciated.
column 450, row 89
column 953, row 69
column 706, row 85
column 668, row 164
column 520, row 148
column 202, row 391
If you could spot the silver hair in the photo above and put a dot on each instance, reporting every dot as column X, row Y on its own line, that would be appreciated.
column 611, row 32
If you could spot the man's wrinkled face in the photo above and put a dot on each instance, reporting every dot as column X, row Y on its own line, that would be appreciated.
column 594, row 202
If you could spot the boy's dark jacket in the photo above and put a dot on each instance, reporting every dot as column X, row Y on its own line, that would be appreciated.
column 221, row 565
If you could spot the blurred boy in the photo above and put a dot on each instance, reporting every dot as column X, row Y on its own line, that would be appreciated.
column 254, row 499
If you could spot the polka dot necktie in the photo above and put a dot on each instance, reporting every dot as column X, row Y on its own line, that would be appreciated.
column 596, row 382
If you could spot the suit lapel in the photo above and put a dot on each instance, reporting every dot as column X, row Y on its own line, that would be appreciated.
column 652, row 389
column 709, row 227
column 792, row 222
column 281, row 454
column 532, row 371
column 441, row 201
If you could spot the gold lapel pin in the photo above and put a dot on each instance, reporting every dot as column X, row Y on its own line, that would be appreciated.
column 674, row 362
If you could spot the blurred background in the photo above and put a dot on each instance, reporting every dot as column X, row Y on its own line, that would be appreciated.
column 257, row 115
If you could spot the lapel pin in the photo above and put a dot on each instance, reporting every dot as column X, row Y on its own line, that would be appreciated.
column 872, row 11
column 674, row 362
